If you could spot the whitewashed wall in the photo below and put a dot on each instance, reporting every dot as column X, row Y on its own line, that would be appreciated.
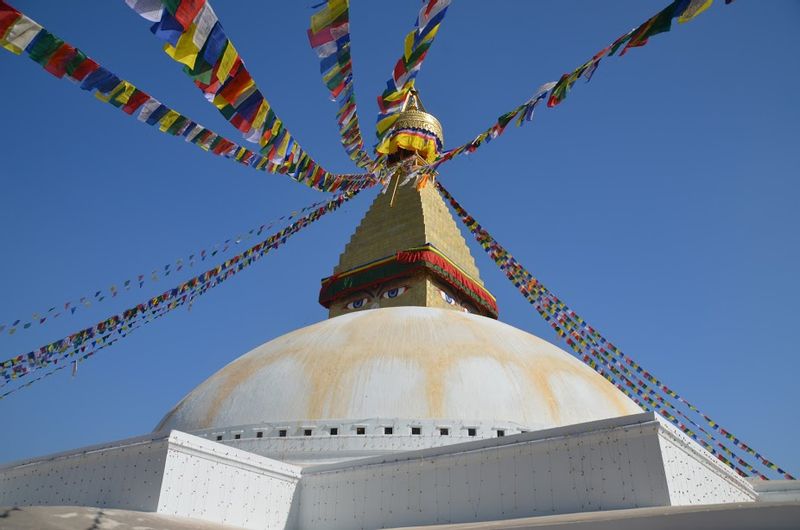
column 125, row 474
column 209, row 481
column 172, row 473
column 602, row 465
column 694, row 476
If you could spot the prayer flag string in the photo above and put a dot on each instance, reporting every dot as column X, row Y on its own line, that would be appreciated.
column 19, row 33
column 138, row 281
column 556, row 91
column 193, row 36
column 600, row 354
column 86, row 351
column 329, row 36
column 24, row 364
column 415, row 47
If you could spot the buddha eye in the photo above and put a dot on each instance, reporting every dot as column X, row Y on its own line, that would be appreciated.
column 447, row 298
column 393, row 293
column 357, row 304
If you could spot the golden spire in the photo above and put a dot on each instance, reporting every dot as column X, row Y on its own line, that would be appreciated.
column 414, row 131
column 410, row 253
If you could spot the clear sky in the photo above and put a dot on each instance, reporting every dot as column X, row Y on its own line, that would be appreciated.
column 659, row 200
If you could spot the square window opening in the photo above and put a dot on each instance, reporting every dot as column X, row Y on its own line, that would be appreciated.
column 260, row 434
column 334, row 431
column 237, row 436
column 361, row 430
column 444, row 431
column 219, row 437
column 307, row 432
column 282, row 433
column 472, row 432
column 416, row 430
column 501, row 432
column 388, row 430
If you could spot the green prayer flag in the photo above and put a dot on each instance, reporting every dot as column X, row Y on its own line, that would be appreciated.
column 44, row 46
column 75, row 62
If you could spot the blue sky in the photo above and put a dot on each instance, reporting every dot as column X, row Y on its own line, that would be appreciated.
column 659, row 200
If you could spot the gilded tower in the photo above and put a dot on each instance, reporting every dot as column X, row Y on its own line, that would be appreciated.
column 407, row 250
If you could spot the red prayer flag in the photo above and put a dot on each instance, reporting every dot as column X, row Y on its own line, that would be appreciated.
column 8, row 16
column 187, row 11
column 240, row 122
column 319, row 38
column 136, row 100
column 235, row 85
column 399, row 70
column 338, row 90
column 57, row 65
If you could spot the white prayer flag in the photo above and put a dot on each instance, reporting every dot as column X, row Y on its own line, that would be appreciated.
column 147, row 9
column 22, row 33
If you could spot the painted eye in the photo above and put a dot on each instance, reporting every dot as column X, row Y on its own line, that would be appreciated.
column 357, row 304
column 394, row 293
column 447, row 298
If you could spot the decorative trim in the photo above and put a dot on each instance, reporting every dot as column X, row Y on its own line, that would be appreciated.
column 426, row 257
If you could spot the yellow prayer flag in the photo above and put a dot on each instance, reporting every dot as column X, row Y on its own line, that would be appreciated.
column 330, row 74
column 226, row 63
column 186, row 51
column 167, row 121
column 124, row 95
column 332, row 11
column 276, row 126
column 10, row 47
column 107, row 96
column 408, row 45
column 281, row 152
column 220, row 102
column 431, row 34
column 396, row 96
column 695, row 8
column 261, row 115
column 386, row 123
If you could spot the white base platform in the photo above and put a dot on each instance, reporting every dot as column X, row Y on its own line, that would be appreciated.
column 622, row 463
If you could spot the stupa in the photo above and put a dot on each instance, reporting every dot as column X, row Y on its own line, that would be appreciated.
column 411, row 405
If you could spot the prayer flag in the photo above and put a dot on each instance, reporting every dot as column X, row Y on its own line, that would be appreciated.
column 226, row 63
column 168, row 28
column 327, row 16
column 147, row 9
column 187, row 10
column 57, row 65
column 186, row 50
column 204, row 22
column 694, row 8
column 20, row 35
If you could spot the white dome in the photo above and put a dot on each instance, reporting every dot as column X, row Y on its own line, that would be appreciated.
column 404, row 362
